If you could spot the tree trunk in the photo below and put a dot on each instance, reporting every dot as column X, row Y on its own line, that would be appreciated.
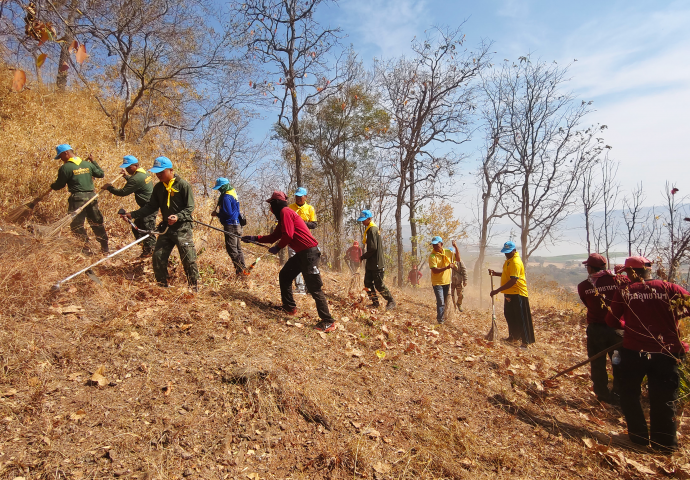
column 398, row 235
column 413, row 221
column 61, row 79
column 338, row 223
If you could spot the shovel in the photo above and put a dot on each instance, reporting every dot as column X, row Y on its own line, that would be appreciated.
column 493, row 333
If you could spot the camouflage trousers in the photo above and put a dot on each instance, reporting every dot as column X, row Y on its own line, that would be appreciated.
column 183, row 239
column 90, row 213
column 145, row 223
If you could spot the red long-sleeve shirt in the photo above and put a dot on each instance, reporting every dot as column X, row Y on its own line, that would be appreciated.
column 650, row 323
column 596, row 293
column 292, row 232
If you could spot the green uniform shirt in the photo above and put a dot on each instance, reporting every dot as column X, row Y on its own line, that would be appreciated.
column 374, row 253
column 140, row 184
column 78, row 175
column 181, row 202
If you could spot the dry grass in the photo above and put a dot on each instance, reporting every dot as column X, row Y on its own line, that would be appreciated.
column 217, row 385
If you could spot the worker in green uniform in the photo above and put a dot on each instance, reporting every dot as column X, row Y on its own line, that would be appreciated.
column 78, row 175
column 173, row 197
column 140, row 184
column 373, row 272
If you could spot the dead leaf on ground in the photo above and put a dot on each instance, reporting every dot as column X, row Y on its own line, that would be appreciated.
column 639, row 467
column 72, row 309
column 370, row 432
column 356, row 353
column 98, row 377
column 224, row 315
column 9, row 393
column 381, row 467
column 78, row 415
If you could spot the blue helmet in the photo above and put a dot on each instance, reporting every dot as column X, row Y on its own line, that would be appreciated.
column 436, row 240
column 301, row 192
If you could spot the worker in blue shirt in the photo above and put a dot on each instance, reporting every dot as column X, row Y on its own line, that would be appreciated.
column 228, row 212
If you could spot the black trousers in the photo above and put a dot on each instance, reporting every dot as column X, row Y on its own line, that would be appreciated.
column 519, row 318
column 600, row 337
column 234, row 247
column 661, row 370
column 373, row 281
column 305, row 262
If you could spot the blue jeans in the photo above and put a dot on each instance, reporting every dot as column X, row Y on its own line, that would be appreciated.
column 441, row 292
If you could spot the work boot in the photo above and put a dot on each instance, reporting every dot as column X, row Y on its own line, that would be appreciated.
column 391, row 304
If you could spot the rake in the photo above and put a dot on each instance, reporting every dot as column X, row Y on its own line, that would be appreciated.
column 56, row 287
column 23, row 212
column 53, row 229
column 493, row 333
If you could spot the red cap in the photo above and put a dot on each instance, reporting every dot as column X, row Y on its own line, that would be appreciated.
column 618, row 268
column 595, row 260
column 277, row 195
column 356, row 244
column 637, row 262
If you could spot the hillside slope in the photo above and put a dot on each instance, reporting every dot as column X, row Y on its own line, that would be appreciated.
column 132, row 381
column 216, row 385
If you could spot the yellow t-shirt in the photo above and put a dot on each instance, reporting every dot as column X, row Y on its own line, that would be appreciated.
column 513, row 267
column 306, row 211
column 440, row 260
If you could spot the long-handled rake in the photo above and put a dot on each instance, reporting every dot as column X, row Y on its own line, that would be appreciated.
column 493, row 333
column 22, row 212
column 56, row 287
column 53, row 229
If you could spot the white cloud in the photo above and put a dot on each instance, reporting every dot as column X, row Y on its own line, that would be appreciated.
column 385, row 26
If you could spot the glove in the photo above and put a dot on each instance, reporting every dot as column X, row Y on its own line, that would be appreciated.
column 249, row 238
column 361, row 258
column 274, row 250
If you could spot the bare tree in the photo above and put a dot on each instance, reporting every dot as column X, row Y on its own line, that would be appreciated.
column 607, row 232
column 429, row 99
column 674, row 242
column 296, row 52
column 635, row 220
column 154, row 53
column 493, row 169
column 546, row 148
column 591, row 197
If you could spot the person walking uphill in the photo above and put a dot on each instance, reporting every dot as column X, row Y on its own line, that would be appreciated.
column 596, row 293
column 307, row 213
column 441, row 261
column 514, row 287
column 78, row 175
column 173, row 197
column 229, row 216
column 140, row 184
column 352, row 256
column 651, row 348
column 374, row 270
column 292, row 232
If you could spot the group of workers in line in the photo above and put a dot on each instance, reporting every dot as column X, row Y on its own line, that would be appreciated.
column 644, row 311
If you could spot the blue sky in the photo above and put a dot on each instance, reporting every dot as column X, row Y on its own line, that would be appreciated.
column 633, row 62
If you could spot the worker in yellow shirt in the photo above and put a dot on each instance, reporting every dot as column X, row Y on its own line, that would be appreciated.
column 307, row 213
column 441, row 261
column 514, row 288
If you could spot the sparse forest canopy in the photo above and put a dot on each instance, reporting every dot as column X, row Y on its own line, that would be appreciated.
column 390, row 136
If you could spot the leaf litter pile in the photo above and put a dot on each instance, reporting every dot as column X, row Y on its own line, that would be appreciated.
column 129, row 380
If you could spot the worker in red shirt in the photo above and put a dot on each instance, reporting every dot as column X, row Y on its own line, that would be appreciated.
column 293, row 232
column 352, row 256
column 414, row 276
column 596, row 293
column 651, row 348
